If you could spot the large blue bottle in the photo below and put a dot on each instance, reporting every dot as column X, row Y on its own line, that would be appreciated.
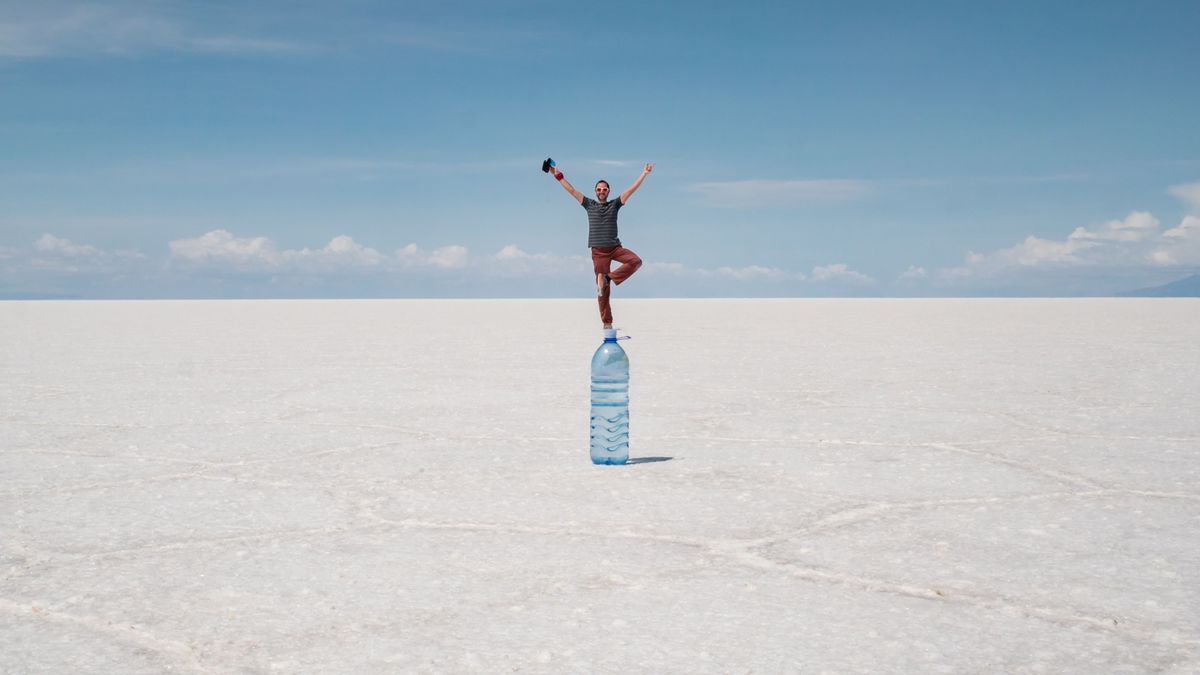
column 610, row 402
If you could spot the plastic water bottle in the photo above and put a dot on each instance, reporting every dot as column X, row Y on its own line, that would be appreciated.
column 610, row 402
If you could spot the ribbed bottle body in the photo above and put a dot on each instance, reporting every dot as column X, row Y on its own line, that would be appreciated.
column 610, row 405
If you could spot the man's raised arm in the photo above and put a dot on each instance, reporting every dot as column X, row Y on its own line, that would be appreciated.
column 558, row 175
column 637, row 183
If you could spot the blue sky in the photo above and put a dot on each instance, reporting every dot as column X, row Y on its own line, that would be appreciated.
column 227, row 149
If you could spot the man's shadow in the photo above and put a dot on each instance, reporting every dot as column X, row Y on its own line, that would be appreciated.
column 647, row 460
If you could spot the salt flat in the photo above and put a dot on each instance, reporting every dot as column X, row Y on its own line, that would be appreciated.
column 404, row 486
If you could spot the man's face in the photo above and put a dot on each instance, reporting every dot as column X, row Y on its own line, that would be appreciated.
column 602, row 191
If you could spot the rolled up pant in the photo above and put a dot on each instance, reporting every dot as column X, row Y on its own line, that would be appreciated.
column 602, row 259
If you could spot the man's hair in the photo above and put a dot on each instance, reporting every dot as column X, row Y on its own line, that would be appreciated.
column 601, row 181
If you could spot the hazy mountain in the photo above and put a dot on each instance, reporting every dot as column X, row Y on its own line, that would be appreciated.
column 1184, row 288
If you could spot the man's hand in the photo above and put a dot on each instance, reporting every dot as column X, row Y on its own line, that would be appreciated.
column 637, row 183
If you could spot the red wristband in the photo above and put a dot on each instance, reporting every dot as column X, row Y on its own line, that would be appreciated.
column 558, row 175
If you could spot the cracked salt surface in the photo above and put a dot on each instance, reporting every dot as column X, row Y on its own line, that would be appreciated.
column 404, row 486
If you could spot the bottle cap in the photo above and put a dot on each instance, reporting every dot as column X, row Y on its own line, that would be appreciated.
column 610, row 333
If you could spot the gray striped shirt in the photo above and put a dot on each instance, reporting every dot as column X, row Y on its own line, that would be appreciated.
column 602, row 222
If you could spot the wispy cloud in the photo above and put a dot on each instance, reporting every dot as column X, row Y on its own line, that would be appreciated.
column 470, row 40
column 55, row 29
column 221, row 169
column 363, row 168
column 1027, row 179
column 1189, row 193
column 360, row 167
column 761, row 192
column 751, row 193
column 614, row 163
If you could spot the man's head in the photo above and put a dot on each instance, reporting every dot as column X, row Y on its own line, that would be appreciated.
column 602, row 190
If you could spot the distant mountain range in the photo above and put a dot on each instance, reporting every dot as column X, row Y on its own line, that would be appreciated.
column 1184, row 288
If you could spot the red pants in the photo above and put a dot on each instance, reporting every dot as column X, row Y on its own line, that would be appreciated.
column 602, row 261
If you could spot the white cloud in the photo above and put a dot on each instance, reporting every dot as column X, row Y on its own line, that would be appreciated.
column 512, row 261
column 1189, row 193
column 839, row 272
column 1188, row 229
column 1180, row 245
column 1132, row 242
column 744, row 274
column 446, row 257
column 754, row 273
column 913, row 272
column 344, row 245
column 666, row 268
column 449, row 257
column 835, row 273
column 50, row 244
column 1034, row 251
column 1137, row 226
column 258, row 259
column 512, row 252
column 220, row 246
column 952, row 274
column 1114, row 241
column 342, row 252
column 57, row 255
column 779, row 192
column 411, row 253
column 221, row 249
column 824, row 274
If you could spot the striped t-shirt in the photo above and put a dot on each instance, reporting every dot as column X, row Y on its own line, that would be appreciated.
column 602, row 222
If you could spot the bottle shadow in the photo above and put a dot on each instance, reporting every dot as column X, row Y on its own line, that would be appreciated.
column 647, row 460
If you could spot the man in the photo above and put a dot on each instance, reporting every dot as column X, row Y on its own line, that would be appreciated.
column 602, row 235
